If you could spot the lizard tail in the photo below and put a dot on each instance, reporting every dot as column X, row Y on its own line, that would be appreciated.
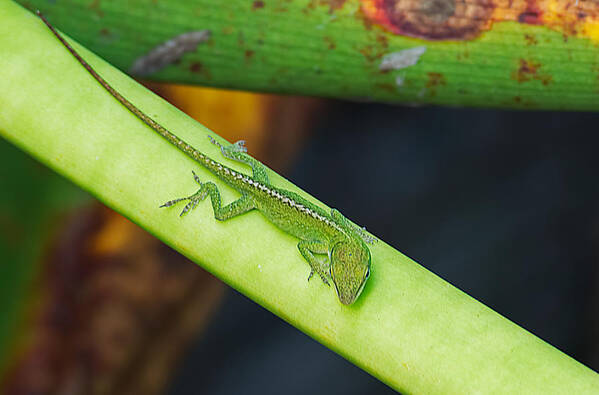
column 204, row 160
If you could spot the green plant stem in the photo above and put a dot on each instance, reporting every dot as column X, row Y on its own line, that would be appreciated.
column 311, row 47
column 410, row 329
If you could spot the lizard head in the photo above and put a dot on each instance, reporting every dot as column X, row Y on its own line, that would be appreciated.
column 350, row 268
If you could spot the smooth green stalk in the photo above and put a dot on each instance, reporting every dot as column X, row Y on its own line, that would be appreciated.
column 332, row 48
column 409, row 328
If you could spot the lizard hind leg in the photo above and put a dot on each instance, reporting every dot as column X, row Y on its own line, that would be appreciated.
column 317, row 265
column 242, row 205
column 238, row 152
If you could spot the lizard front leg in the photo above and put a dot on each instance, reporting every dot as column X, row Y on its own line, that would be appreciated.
column 318, row 265
column 242, row 205
column 237, row 152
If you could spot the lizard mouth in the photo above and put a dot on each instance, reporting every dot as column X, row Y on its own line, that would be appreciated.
column 357, row 295
column 348, row 299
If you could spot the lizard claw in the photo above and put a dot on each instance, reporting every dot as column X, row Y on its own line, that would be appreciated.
column 239, row 146
column 213, row 141
column 196, row 178
column 324, row 279
column 193, row 200
column 171, row 202
column 189, row 206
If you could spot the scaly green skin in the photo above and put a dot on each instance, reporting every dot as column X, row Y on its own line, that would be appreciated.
column 347, row 258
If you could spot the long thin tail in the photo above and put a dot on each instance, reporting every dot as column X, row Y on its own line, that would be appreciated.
column 176, row 141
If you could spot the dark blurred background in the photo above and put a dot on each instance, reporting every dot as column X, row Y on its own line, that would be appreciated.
column 502, row 204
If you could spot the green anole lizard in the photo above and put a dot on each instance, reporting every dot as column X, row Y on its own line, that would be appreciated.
column 343, row 255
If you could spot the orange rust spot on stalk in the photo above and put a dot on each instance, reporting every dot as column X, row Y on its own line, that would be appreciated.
column 532, row 14
column 528, row 71
column 387, row 87
column 466, row 19
column 257, row 5
column 371, row 54
column 523, row 102
column 333, row 4
column 196, row 67
column 530, row 39
column 435, row 80
column 95, row 5
column 382, row 40
column 431, row 19
column 329, row 42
